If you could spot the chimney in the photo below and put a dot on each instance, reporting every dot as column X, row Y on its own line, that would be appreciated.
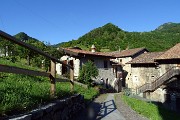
column 119, row 49
column 93, row 48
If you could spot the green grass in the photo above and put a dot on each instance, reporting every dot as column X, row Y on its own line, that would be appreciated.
column 149, row 110
column 19, row 63
column 19, row 93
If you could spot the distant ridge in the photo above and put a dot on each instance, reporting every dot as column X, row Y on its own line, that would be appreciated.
column 169, row 27
column 110, row 38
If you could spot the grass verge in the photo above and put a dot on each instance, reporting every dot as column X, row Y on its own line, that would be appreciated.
column 150, row 110
column 20, row 93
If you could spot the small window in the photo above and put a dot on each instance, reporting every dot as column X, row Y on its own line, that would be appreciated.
column 105, row 64
column 120, row 60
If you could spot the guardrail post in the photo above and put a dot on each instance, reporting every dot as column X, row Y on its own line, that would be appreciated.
column 52, row 79
column 72, row 78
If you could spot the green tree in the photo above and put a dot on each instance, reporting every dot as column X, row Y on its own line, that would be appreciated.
column 111, row 37
column 87, row 72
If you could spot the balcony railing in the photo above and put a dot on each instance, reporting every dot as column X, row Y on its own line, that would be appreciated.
column 160, row 81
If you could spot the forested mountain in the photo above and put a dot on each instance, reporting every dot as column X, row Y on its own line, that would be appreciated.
column 169, row 28
column 110, row 37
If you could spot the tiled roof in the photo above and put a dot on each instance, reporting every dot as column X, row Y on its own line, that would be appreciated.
column 77, row 52
column 146, row 58
column 172, row 53
column 115, row 54
column 127, row 53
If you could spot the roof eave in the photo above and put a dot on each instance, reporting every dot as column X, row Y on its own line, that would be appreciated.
column 143, row 63
column 158, row 59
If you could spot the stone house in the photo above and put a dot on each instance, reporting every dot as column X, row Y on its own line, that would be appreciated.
column 77, row 57
column 143, row 70
column 123, row 57
column 155, row 75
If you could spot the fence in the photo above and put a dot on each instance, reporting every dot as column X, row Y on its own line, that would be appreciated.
column 51, row 75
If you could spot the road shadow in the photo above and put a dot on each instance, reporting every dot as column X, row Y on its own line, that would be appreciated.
column 107, row 107
column 89, row 112
column 167, row 111
column 96, row 111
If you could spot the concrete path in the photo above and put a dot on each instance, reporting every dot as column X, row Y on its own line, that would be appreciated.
column 108, row 110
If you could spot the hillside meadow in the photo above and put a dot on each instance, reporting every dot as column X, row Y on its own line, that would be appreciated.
column 22, row 93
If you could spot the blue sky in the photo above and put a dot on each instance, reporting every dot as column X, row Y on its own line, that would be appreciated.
column 58, row 21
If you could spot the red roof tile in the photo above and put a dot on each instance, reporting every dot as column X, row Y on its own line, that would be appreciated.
column 115, row 54
column 77, row 52
column 146, row 58
column 172, row 53
column 127, row 53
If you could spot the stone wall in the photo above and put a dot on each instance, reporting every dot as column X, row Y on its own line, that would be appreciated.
column 141, row 75
column 59, row 110
column 147, row 74
column 104, row 73
column 158, row 95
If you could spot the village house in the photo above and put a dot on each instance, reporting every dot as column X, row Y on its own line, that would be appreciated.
column 77, row 57
column 155, row 75
column 111, row 65
column 143, row 70
column 123, row 57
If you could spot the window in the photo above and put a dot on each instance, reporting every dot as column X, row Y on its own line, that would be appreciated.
column 105, row 64
column 120, row 60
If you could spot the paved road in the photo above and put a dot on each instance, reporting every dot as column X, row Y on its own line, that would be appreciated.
column 102, row 108
column 108, row 110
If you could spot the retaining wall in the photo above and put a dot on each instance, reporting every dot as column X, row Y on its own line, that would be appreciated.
column 59, row 110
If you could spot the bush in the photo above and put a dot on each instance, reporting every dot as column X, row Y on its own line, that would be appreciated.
column 87, row 72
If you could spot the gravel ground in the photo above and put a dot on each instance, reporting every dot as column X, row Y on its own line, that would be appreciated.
column 126, row 111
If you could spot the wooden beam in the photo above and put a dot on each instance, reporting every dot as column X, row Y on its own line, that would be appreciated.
column 21, row 43
column 52, row 79
column 72, row 79
column 16, row 70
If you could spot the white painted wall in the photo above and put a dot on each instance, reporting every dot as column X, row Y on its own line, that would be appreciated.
column 76, row 66
column 104, row 73
column 126, row 67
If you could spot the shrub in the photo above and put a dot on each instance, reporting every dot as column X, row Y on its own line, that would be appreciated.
column 87, row 72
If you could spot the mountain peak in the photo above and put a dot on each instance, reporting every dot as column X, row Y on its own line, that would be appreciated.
column 111, row 26
column 22, row 36
column 169, row 27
